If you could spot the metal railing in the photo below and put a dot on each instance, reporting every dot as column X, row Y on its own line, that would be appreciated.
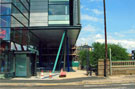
column 123, row 63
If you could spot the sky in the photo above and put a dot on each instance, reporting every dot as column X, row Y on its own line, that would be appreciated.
column 120, row 17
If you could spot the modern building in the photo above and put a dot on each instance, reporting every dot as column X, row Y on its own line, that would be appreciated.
column 37, row 34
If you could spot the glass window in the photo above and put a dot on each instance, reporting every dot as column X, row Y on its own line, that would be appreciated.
column 5, row 9
column 5, row 21
column 58, row 9
column 15, row 23
column 58, row 0
column 22, row 9
column 3, row 1
column 25, row 3
column 12, row 46
column 19, row 17
column 58, row 12
column 2, row 65
column 58, row 17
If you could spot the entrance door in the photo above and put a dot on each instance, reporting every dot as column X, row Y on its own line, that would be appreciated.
column 21, row 65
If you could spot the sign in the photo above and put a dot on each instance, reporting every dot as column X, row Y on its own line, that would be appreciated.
column 2, row 34
column 5, row 20
column 5, row 33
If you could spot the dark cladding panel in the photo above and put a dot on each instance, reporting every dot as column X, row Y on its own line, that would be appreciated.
column 76, row 12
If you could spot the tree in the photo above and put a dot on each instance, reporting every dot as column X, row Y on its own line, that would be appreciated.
column 82, row 57
column 98, row 52
column 118, row 52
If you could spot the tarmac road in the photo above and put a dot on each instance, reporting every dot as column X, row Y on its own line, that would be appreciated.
column 110, row 86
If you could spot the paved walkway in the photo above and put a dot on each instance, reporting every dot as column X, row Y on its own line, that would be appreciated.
column 73, row 78
column 113, row 80
column 55, row 76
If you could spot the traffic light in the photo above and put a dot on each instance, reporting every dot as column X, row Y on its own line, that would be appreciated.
column 133, row 54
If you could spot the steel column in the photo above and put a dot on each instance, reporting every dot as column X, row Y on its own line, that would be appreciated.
column 58, row 53
column 65, row 52
column 68, row 63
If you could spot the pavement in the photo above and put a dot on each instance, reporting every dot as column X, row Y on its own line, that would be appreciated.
column 119, row 79
column 55, row 76
column 73, row 78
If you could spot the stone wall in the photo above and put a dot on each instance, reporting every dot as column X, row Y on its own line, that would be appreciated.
column 123, row 67
column 117, row 68
column 101, row 67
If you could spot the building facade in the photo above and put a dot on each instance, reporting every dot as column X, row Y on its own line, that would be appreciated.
column 37, row 34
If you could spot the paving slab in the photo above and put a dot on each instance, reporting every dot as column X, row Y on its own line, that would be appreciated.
column 73, row 78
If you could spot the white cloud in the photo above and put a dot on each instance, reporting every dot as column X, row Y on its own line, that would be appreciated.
column 95, row 0
column 87, row 9
column 89, row 28
column 119, row 34
column 98, row 36
column 90, row 18
column 89, row 34
column 97, row 12
column 128, row 44
column 88, row 39
column 83, row 40
column 131, row 31
column 82, row 6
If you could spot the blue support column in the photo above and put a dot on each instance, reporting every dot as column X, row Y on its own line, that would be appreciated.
column 40, row 52
column 65, row 52
column 57, row 57
column 68, row 63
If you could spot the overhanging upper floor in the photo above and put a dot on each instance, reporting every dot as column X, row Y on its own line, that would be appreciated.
column 51, row 36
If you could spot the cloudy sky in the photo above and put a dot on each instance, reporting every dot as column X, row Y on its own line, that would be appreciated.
column 120, row 22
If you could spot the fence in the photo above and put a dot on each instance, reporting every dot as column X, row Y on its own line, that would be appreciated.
column 117, row 67
column 123, row 67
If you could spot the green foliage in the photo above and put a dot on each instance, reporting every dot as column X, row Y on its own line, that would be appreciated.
column 82, row 56
column 118, row 52
column 98, row 52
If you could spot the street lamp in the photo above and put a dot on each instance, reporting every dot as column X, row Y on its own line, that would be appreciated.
column 105, row 65
column 88, row 62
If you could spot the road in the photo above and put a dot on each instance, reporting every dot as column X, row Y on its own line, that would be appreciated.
column 112, row 86
column 52, row 81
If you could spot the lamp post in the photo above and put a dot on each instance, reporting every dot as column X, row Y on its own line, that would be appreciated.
column 105, row 64
column 110, row 61
column 88, row 62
